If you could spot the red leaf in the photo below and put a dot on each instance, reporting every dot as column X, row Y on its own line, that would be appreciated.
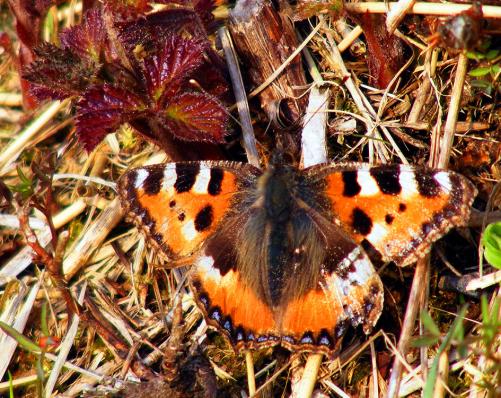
column 196, row 116
column 204, row 10
column 103, row 109
column 166, row 70
column 214, row 78
column 463, row 31
column 58, row 73
column 385, row 51
column 87, row 39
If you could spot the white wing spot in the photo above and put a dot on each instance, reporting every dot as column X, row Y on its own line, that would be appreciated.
column 170, row 177
column 367, row 183
column 205, row 262
column 202, row 181
column 141, row 176
column 408, row 183
column 442, row 177
column 378, row 233
column 189, row 231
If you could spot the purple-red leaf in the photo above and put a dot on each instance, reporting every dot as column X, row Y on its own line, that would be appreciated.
column 214, row 78
column 194, row 116
column 58, row 73
column 153, row 29
column 88, row 39
column 204, row 10
column 103, row 109
column 167, row 69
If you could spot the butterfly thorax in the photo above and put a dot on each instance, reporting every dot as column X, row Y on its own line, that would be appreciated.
column 282, row 232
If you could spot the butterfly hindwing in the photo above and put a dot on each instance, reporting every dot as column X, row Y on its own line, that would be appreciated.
column 179, row 205
column 396, row 211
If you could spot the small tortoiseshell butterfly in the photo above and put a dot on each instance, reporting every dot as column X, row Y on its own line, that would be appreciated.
column 285, row 256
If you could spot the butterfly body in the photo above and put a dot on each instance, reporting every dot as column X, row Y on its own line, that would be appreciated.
column 285, row 255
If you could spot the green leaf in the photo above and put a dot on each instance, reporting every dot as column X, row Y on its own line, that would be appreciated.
column 43, row 316
column 430, row 324
column 11, row 385
column 495, row 69
column 425, row 341
column 484, row 305
column 474, row 55
column 433, row 373
column 491, row 239
column 22, row 340
column 480, row 71
column 491, row 54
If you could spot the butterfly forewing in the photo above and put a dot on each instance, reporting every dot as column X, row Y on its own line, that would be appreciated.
column 179, row 205
column 396, row 211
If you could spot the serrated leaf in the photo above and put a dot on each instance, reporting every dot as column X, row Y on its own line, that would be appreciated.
column 491, row 239
column 58, row 73
column 153, row 29
column 166, row 69
column 430, row 324
column 21, row 339
column 480, row 71
column 197, row 117
column 87, row 39
column 103, row 109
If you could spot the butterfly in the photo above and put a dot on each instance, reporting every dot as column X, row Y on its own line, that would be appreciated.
column 284, row 256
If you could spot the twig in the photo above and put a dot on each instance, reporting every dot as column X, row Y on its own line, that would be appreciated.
column 407, row 327
column 11, row 99
column 10, row 153
column 445, row 9
column 251, row 378
column 375, row 393
column 452, row 114
column 279, row 70
column 64, row 348
column 364, row 106
column 307, row 383
column 94, row 236
column 484, row 281
column 397, row 13
column 443, row 375
column 313, row 143
column 349, row 38
column 249, row 140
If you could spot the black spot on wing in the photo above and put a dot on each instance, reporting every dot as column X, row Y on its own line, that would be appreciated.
column 427, row 185
column 389, row 219
column 221, row 248
column 387, row 179
column 204, row 218
column 172, row 203
column 374, row 254
column 216, row 179
column 402, row 207
column 152, row 183
column 351, row 186
column 361, row 222
column 186, row 176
